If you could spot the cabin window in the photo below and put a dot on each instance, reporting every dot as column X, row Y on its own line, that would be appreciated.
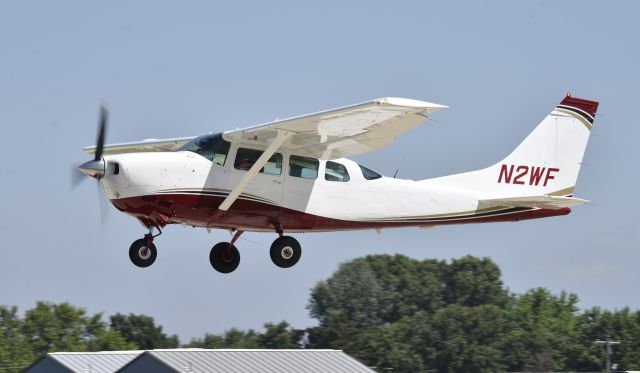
column 335, row 172
column 246, row 158
column 369, row 174
column 304, row 167
column 213, row 147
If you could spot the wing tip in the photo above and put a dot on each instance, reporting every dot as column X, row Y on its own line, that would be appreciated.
column 407, row 102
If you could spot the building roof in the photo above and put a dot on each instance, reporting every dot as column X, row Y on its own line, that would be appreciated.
column 255, row 360
column 203, row 360
column 94, row 362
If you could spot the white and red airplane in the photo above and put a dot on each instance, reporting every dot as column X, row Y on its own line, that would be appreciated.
column 291, row 176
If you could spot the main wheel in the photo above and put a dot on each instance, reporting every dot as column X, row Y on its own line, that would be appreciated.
column 141, row 255
column 224, row 257
column 285, row 251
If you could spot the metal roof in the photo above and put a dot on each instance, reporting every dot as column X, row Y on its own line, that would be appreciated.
column 94, row 362
column 231, row 361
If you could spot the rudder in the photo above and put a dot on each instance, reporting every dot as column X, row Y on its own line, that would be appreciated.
column 547, row 162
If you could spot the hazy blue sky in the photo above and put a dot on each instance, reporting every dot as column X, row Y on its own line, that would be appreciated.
column 184, row 68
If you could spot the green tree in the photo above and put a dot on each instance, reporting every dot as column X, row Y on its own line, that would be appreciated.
column 542, row 332
column 50, row 327
column 471, row 281
column 409, row 315
column 352, row 290
column 209, row 341
column 280, row 336
column 101, row 338
column 337, row 332
column 15, row 352
column 621, row 325
column 142, row 331
column 232, row 338
column 55, row 327
column 397, row 346
column 408, row 285
column 236, row 338
column 467, row 339
column 275, row 336
column 453, row 339
column 390, row 312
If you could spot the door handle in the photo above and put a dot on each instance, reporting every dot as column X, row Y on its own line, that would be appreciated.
column 276, row 181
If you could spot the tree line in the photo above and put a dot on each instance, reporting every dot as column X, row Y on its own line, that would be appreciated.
column 390, row 312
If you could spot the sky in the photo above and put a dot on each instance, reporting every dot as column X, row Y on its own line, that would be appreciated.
column 171, row 69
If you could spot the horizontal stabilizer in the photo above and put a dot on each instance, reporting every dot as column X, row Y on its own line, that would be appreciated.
column 541, row 202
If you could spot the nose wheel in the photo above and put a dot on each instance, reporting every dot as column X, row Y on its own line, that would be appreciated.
column 143, row 252
column 285, row 251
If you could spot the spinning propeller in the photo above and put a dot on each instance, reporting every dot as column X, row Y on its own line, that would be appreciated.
column 95, row 168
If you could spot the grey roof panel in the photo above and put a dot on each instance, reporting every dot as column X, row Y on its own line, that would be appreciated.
column 244, row 361
column 94, row 362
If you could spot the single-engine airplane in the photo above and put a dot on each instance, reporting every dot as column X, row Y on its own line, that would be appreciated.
column 292, row 176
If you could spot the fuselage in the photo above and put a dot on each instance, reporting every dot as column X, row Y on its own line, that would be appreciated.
column 291, row 194
column 289, row 176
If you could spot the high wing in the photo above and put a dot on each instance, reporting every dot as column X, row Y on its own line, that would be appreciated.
column 341, row 132
column 148, row 145
column 329, row 134
column 542, row 202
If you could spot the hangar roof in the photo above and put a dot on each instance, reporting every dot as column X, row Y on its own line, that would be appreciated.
column 95, row 362
column 256, row 360
column 202, row 360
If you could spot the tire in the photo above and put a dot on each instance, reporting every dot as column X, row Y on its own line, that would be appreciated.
column 285, row 252
column 142, row 256
column 223, row 258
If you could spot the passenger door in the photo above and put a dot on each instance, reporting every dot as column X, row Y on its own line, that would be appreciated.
column 267, row 186
column 302, row 173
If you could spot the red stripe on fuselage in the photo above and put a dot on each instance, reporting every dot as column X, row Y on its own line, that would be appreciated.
column 201, row 211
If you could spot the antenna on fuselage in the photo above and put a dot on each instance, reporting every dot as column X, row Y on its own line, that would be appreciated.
column 396, row 173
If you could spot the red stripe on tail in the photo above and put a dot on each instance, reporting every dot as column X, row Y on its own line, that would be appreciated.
column 585, row 105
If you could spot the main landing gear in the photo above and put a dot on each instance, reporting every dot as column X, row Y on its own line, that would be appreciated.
column 285, row 251
column 224, row 257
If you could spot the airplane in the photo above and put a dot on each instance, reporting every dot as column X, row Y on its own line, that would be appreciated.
column 292, row 176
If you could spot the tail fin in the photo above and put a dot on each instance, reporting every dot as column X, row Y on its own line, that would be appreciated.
column 547, row 162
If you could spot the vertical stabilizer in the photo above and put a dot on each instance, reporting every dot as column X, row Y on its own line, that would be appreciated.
column 547, row 162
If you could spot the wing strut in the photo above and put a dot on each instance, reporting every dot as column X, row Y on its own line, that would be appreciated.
column 253, row 171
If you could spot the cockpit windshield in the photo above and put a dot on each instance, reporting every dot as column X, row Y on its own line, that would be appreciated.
column 212, row 146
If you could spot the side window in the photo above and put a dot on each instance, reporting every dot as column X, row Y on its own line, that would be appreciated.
column 369, row 174
column 220, row 157
column 303, row 167
column 335, row 172
column 245, row 158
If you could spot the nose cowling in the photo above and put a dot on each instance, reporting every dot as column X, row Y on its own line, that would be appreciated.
column 94, row 168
